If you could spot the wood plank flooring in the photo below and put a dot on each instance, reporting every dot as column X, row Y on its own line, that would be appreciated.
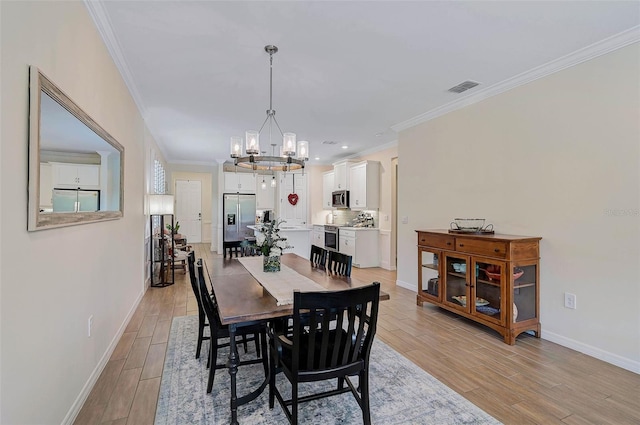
column 533, row 382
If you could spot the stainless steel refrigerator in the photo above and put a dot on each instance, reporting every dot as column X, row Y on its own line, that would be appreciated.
column 75, row 200
column 239, row 211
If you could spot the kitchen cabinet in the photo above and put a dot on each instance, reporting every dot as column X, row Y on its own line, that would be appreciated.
column 292, row 198
column 364, row 181
column 341, row 175
column 328, row 181
column 265, row 198
column 361, row 244
column 317, row 236
column 73, row 176
column 239, row 183
column 491, row 279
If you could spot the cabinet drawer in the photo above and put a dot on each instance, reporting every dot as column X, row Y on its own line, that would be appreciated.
column 348, row 233
column 494, row 249
column 437, row 241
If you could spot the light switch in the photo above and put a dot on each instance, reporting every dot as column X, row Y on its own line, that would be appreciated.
column 405, row 219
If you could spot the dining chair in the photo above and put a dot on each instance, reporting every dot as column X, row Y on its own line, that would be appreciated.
column 257, row 330
column 318, row 256
column 331, row 338
column 202, row 320
column 339, row 263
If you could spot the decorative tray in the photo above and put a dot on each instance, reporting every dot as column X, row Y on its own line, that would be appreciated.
column 472, row 232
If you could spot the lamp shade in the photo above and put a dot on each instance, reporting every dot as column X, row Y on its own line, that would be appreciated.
column 160, row 204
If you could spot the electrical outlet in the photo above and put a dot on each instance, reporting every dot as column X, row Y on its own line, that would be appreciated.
column 89, row 325
column 569, row 300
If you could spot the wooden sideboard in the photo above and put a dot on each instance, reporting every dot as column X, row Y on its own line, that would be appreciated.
column 491, row 279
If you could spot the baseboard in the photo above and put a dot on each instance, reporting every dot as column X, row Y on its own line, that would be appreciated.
column 406, row 285
column 88, row 386
column 598, row 353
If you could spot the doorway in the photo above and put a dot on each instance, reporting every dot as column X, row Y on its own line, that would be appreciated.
column 189, row 209
column 394, row 213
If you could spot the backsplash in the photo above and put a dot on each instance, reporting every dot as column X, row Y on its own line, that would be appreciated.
column 342, row 217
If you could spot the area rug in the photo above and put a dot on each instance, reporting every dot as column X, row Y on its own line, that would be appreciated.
column 400, row 392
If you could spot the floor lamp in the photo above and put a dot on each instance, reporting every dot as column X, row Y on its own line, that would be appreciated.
column 162, row 273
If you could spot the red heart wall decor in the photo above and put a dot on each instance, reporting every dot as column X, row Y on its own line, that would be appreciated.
column 293, row 198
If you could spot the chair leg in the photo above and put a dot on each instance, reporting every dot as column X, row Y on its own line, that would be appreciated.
column 213, row 359
column 364, row 396
column 272, row 375
column 294, row 403
column 265, row 356
column 200, row 335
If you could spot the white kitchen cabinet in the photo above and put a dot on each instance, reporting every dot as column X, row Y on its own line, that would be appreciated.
column 239, row 182
column 327, row 189
column 46, row 185
column 364, row 181
column 73, row 176
column 341, row 175
column 317, row 236
column 292, row 184
column 361, row 244
column 265, row 198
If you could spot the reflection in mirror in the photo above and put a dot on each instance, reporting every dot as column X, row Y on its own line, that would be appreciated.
column 75, row 167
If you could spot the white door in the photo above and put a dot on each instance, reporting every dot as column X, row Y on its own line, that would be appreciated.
column 290, row 183
column 189, row 209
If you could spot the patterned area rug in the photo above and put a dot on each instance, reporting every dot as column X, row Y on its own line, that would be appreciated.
column 400, row 392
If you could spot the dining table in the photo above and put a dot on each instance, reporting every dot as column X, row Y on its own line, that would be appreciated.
column 242, row 299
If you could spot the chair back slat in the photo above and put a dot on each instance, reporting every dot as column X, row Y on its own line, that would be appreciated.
column 335, row 328
column 208, row 305
column 191, row 259
column 318, row 256
column 339, row 264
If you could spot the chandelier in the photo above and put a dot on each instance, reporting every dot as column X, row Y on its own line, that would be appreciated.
column 292, row 155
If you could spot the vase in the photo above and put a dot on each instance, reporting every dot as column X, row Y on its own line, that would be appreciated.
column 271, row 263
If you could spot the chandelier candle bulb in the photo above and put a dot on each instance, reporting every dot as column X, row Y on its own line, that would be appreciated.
column 303, row 150
column 253, row 142
column 289, row 144
column 236, row 147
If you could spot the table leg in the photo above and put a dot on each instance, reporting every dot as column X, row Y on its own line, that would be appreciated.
column 232, row 364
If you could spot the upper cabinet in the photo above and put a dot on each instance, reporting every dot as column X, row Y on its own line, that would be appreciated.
column 73, row 176
column 293, row 200
column 364, row 182
column 239, row 182
column 327, row 188
column 265, row 198
column 341, row 175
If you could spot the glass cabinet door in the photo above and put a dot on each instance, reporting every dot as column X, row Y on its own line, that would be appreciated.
column 456, row 282
column 429, row 279
column 490, row 281
column 525, row 289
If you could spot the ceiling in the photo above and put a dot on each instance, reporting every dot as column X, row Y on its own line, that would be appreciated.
column 346, row 72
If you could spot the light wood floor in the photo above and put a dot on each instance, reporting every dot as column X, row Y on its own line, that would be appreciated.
column 532, row 382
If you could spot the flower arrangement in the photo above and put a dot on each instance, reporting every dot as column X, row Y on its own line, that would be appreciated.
column 269, row 242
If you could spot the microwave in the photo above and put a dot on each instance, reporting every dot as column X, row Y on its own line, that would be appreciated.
column 340, row 199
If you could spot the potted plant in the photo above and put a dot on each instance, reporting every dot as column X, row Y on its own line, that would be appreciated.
column 270, row 244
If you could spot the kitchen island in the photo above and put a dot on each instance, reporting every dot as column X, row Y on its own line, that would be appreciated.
column 298, row 236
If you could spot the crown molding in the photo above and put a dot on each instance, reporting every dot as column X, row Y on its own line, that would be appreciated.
column 592, row 51
column 105, row 29
column 372, row 150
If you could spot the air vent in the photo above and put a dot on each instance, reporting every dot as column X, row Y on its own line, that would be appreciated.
column 464, row 86
column 329, row 142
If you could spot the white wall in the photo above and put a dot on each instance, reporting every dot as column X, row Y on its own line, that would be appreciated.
column 556, row 158
column 53, row 280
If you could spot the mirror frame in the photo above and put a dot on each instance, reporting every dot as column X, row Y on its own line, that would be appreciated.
column 39, row 83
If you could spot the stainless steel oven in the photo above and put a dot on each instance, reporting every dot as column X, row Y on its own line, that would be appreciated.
column 331, row 237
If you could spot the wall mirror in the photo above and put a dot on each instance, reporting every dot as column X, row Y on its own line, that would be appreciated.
column 76, row 169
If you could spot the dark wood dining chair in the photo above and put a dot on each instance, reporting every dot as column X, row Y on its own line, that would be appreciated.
column 318, row 256
column 254, row 331
column 202, row 320
column 339, row 263
column 332, row 337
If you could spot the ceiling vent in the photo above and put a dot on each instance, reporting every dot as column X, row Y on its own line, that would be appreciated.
column 464, row 86
column 329, row 142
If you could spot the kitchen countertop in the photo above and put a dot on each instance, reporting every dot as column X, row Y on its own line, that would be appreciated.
column 283, row 228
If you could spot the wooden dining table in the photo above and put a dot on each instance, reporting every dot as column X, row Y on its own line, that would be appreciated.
column 241, row 301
